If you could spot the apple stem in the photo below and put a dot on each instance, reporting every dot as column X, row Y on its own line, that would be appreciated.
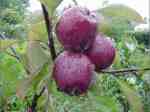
column 48, row 23
column 126, row 70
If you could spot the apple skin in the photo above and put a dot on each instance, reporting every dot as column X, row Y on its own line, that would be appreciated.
column 102, row 53
column 76, row 29
column 73, row 72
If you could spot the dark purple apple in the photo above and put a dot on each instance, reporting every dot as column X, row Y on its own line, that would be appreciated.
column 102, row 52
column 76, row 29
column 73, row 72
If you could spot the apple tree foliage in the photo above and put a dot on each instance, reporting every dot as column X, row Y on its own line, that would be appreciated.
column 12, row 14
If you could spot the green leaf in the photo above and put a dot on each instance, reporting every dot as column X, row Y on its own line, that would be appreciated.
column 132, row 96
column 4, row 44
column 36, row 61
column 36, row 56
column 117, row 19
column 106, row 104
column 35, row 17
column 140, row 59
column 121, row 11
column 37, row 32
column 32, row 81
column 44, row 72
column 51, row 5
column 146, row 77
column 11, row 71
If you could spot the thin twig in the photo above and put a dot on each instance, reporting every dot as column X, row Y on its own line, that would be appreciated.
column 127, row 70
column 35, row 99
column 8, row 53
column 15, row 53
column 48, row 23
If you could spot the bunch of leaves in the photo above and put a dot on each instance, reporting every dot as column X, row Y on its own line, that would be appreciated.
column 10, row 72
column 142, row 37
column 117, row 19
column 115, row 27
column 12, row 14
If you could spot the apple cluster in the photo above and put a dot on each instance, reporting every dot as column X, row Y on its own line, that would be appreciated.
column 86, row 51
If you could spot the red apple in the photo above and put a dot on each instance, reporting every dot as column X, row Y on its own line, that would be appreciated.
column 76, row 29
column 73, row 72
column 102, row 52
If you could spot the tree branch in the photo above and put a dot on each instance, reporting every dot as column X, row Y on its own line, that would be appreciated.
column 127, row 70
column 48, row 24
column 12, row 55
column 35, row 99
column 49, row 31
